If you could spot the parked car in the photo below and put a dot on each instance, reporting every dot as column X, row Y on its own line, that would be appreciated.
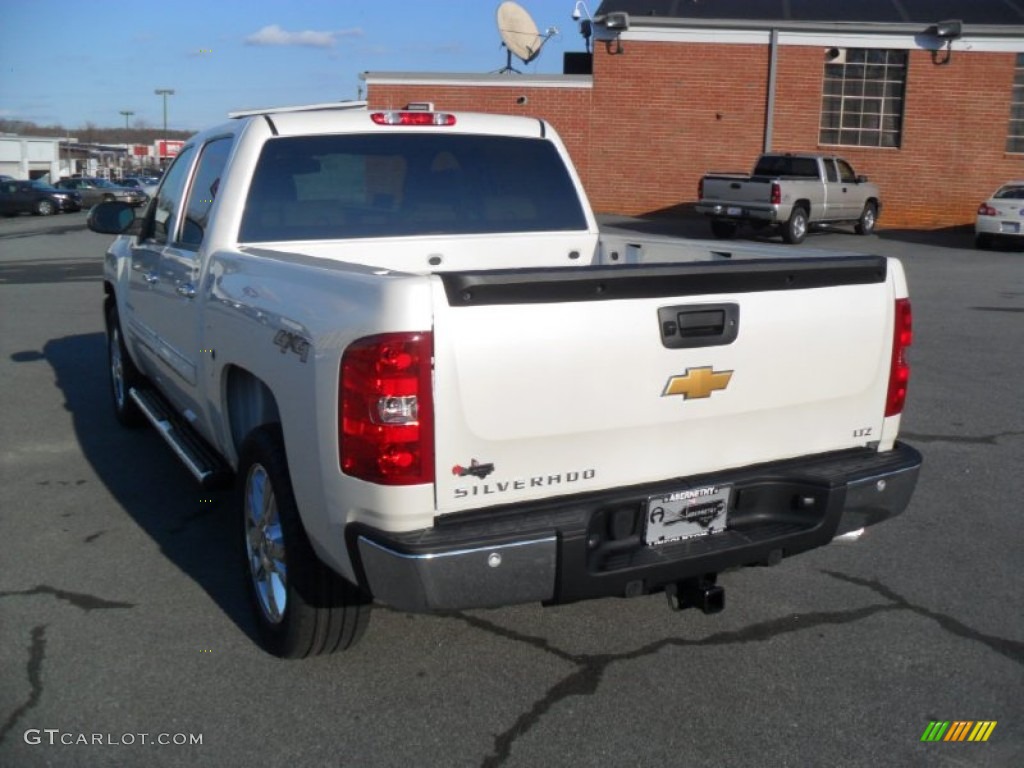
column 1001, row 217
column 37, row 198
column 144, row 184
column 95, row 191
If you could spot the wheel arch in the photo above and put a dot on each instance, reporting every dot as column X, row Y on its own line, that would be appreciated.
column 249, row 403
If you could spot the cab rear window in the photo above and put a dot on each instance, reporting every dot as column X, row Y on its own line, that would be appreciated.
column 402, row 184
column 781, row 165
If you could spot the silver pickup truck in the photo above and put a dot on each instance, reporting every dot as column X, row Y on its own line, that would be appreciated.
column 790, row 192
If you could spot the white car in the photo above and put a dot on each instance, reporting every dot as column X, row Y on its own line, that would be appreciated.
column 1001, row 217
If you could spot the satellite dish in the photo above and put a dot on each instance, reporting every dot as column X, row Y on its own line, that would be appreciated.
column 519, row 34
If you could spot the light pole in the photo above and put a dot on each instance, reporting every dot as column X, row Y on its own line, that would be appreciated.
column 165, row 92
column 127, row 113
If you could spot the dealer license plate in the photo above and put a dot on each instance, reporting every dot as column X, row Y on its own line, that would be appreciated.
column 687, row 513
column 734, row 211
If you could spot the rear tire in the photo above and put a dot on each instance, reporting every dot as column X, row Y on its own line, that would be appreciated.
column 982, row 242
column 868, row 219
column 723, row 230
column 795, row 230
column 123, row 375
column 302, row 607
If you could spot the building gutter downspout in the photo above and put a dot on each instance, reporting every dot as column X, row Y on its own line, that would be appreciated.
column 769, row 115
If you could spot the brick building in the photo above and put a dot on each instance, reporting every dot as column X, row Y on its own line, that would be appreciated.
column 931, row 111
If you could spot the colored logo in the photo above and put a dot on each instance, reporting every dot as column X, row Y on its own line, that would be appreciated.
column 697, row 383
column 475, row 468
column 959, row 730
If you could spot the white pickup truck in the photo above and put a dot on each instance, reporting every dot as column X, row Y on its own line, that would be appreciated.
column 439, row 386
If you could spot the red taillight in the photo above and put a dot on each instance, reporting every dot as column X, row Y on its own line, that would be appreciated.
column 776, row 193
column 385, row 413
column 413, row 118
column 899, row 371
column 987, row 210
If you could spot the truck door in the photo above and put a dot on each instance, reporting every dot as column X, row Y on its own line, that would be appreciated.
column 146, row 308
column 177, row 322
column 853, row 203
column 833, row 190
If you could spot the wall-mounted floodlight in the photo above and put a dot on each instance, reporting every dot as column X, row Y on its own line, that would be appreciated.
column 618, row 21
column 945, row 32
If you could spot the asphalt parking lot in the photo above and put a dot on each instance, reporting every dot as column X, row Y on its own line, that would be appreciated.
column 123, row 623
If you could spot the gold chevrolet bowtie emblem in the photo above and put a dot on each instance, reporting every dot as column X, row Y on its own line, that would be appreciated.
column 697, row 383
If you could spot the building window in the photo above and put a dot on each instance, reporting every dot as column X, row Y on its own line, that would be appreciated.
column 862, row 97
column 1015, row 137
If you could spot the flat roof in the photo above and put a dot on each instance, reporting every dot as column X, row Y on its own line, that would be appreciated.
column 997, row 13
column 513, row 80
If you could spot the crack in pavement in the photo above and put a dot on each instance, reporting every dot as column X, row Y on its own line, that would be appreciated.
column 36, row 654
column 79, row 600
column 1011, row 649
column 37, row 650
column 960, row 439
column 585, row 680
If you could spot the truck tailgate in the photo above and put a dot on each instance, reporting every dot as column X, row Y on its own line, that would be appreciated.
column 561, row 381
column 736, row 190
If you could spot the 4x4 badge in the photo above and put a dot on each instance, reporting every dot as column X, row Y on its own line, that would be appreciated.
column 697, row 383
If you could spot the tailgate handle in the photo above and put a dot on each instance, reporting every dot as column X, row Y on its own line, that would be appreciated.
column 699, row 325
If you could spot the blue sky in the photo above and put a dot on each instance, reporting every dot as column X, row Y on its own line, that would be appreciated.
column 71, row 63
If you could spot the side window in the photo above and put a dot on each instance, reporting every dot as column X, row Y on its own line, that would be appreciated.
column 204, row 189
column 846, row 172
column 161, row 213
column 830, row 170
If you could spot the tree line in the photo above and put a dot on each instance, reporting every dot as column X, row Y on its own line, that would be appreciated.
column 90, row 133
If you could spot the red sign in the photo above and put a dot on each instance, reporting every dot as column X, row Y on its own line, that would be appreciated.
column 140, row 150
column 168, row 147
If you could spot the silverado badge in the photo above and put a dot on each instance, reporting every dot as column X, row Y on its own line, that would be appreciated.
column 697, row 383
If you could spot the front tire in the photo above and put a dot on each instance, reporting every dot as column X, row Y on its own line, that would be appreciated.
column 123, row 375
column 45, row 208
column 302, row 607
column 868, row 219
column 795, row 230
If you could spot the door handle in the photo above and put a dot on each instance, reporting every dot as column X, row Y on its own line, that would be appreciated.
column 151, row 278
column 187, row 290
column 699, row 325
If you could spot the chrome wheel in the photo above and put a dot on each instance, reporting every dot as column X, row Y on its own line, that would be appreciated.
column 799, row 228
column 264, row 545
column 868, row 219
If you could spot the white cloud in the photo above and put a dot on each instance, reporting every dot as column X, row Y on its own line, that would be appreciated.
column 274, row 35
